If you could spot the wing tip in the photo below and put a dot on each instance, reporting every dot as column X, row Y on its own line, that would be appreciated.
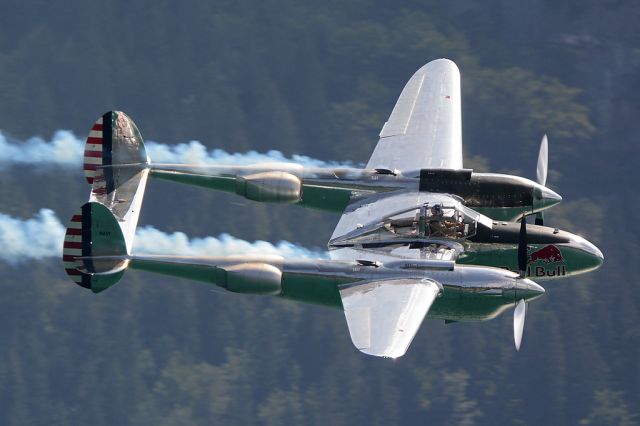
column 441, row 64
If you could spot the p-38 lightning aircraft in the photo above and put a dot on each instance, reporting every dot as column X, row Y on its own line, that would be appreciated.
column 419, row 234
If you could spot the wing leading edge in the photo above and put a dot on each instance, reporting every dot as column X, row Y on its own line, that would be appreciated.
column 424, row 130
column 384, row 316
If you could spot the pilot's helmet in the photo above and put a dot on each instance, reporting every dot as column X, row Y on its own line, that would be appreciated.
column 436, row 210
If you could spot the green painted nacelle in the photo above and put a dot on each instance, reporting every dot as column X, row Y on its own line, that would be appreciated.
column 252, row 278
column 272, row 187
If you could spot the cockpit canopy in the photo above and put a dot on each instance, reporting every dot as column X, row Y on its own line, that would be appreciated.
column 436, row 220
column 430, row 221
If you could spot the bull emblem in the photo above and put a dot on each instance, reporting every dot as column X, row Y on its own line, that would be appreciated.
column 546, row 254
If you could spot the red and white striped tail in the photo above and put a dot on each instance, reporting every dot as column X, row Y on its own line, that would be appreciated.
column 94, row 232
column 117, row 167
column 93, row 150
column 114, row 143
column 72, row 248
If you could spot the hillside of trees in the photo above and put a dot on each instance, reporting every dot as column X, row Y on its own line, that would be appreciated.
column 320, row 79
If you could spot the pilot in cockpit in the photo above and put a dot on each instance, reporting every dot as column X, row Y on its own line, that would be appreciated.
column 436, row 221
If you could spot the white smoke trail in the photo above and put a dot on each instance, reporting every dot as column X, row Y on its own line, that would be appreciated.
column 66, row 150
column 149, row 240
column 195, row 153
column 36, row 238
column 42, row 236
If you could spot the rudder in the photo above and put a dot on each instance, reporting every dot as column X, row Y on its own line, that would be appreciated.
column 94, row 251
column 100, row 237
column 114, row 140
column 117, row 166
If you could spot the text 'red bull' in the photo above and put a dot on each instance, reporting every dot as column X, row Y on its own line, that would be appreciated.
column 547, row 254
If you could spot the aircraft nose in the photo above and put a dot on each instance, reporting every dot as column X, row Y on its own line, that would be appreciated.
column 593, row 253
column 545, row 198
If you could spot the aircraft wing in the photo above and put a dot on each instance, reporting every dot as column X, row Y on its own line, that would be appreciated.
column 384, row 316
column 424, row 130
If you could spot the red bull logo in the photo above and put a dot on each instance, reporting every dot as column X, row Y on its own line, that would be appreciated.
column 542, row 271
column 546, row 254
column 548, row 262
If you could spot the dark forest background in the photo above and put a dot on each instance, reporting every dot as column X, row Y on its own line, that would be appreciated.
column 319, row 78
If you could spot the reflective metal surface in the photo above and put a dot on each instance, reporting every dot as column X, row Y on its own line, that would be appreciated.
column 519, row 314
column 415, row 238
column 544, row 198
column 424, row 129
column 273, row 186
column 384, row 316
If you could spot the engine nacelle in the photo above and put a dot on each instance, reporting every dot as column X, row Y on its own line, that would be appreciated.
column 274, row 187
column 254, row 278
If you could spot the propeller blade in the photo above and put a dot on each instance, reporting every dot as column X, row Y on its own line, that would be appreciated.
column 522, row 247
column 543, row 161
column 519, row 314
column 539, row 219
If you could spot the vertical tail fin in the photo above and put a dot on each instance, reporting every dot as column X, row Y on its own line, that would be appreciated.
column 114, row 140
column 94, row 251
column 117, row 167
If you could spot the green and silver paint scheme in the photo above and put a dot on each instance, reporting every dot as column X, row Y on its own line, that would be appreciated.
column 423, row 133
column 470, row 293
column 498, row 196
column 349, row 190
column 551, row 253
column 379, row 227
column 574, row 260
column 116, row 166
